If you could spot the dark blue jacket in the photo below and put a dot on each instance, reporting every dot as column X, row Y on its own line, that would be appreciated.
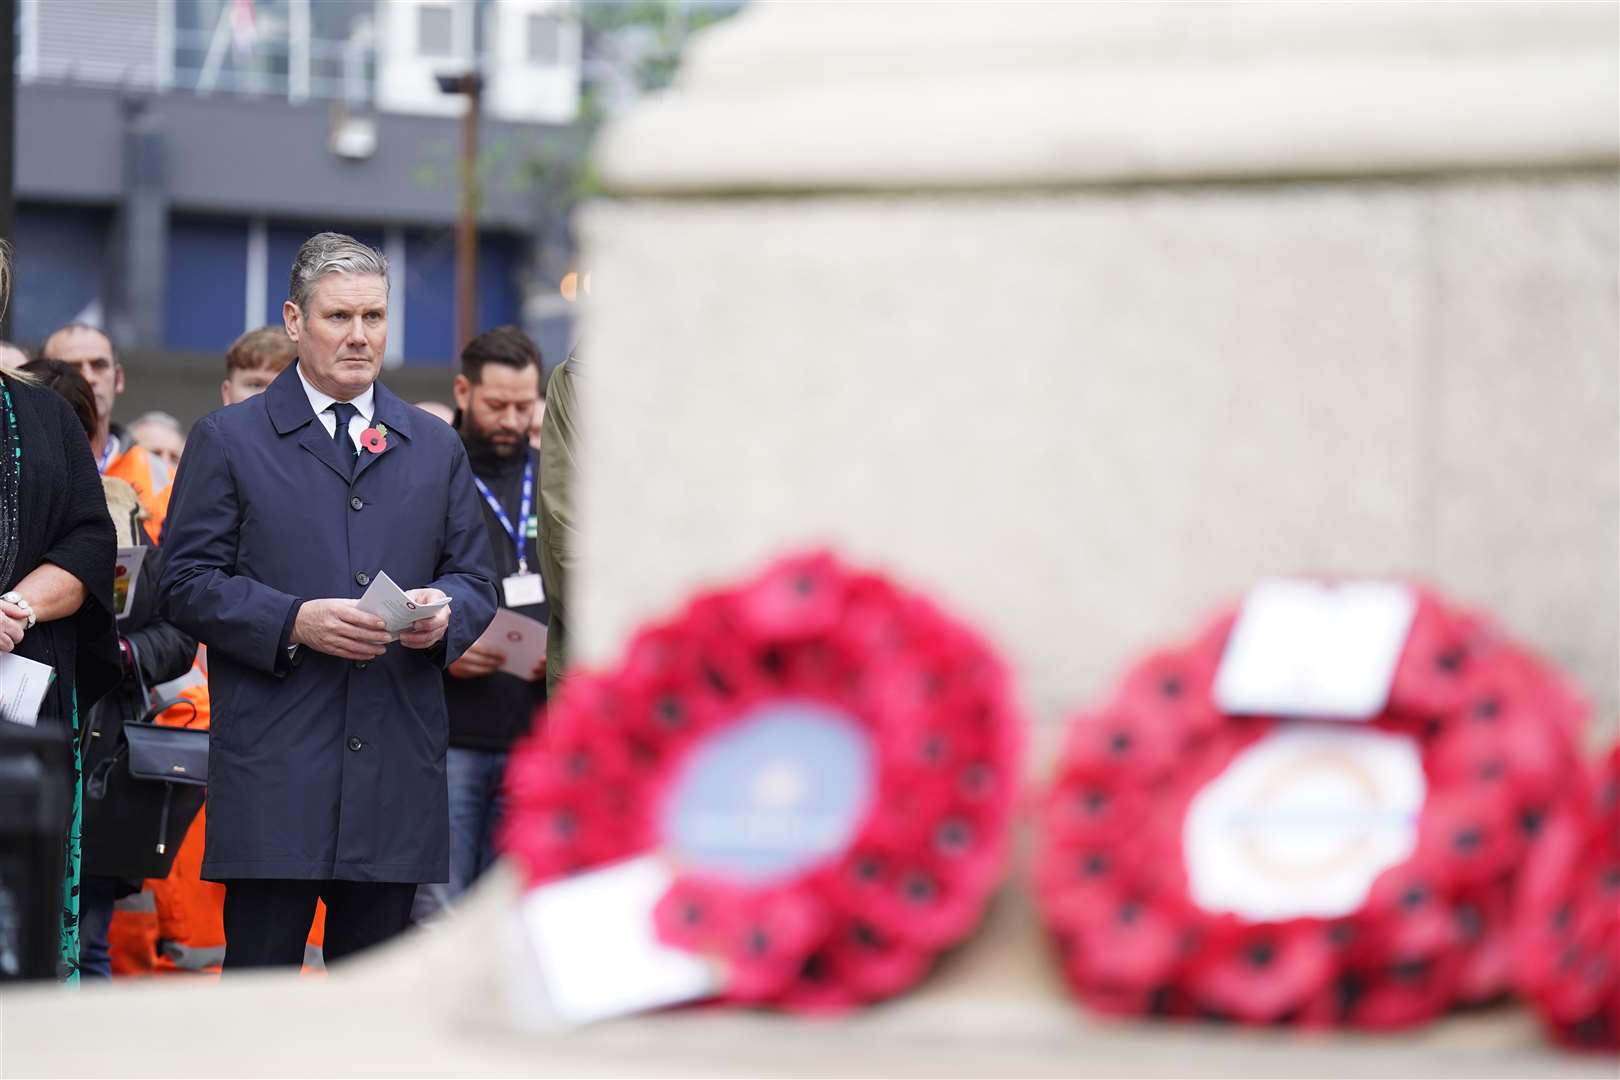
column 321, row 767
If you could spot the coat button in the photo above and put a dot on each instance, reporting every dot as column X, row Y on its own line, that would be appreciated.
column 362, row 578
column 356, row 503
column 355, row 743
column 361, row 664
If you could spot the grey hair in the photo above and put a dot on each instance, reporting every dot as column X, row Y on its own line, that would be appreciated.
column 331, row 253
column 158, row 417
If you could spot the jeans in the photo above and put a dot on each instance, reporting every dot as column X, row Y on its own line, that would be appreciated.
column 476, row 809
column 96, row 898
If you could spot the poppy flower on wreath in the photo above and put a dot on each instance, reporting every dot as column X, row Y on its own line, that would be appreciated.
column 827, row 761
column 1260, row 973
column 1566, row 922
column 1319, row 872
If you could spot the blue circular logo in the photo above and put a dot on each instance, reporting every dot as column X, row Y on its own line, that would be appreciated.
column 775, row 794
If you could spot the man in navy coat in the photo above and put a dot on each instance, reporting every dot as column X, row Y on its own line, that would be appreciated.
column 327, row 754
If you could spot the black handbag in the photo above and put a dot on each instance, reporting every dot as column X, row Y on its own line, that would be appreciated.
column 165, row 754
column 155, row 770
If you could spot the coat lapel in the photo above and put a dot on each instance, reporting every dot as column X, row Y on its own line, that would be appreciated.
column 389, row 411
column 289, row 411
column 320, row 444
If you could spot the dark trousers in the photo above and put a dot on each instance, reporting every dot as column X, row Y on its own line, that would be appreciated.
column 97, row 895
column 267, row 920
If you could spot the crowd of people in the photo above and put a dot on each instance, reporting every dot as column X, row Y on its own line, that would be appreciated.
column 354, row 760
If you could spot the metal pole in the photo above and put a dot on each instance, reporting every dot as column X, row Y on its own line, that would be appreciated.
column 8, row 136
column 472, row 85
column 298, row 74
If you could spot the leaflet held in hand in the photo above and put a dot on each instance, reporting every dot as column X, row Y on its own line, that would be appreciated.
column 388, row 601
column 126, row 578
column 518, row 638
column 23, row 683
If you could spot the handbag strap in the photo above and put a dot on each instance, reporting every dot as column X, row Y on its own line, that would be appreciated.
column 140, row 679
column 156, row 706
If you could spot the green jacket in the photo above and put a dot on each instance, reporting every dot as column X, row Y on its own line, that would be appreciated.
column 559, row 534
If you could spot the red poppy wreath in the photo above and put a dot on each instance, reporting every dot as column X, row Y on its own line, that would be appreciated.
column 1267, row 870
column 1567, row 919
column 828, row 762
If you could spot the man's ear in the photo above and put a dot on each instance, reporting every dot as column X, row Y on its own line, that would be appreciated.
column 118, row 379
column 292, row 319
column 461, row 390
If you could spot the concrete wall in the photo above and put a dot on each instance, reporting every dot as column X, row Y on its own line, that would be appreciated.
column 1087, row 319
column 1086, row 419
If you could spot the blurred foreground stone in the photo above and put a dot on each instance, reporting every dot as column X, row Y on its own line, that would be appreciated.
column 431, row 1006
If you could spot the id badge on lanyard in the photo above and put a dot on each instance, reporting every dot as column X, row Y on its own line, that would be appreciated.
column 523, row 588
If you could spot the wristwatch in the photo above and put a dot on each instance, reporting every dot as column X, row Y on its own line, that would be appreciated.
column 15, row 599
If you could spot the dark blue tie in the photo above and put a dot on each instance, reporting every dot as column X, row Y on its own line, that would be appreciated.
column 346, row 450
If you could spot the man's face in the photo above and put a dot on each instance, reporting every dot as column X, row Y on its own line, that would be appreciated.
column 244, row 384
column 162, row 441
column 499, row 407
column 342, row 333
column 90, row 353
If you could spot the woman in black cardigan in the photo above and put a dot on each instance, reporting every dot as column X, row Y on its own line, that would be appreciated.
column 57, row 548
column 120, row 818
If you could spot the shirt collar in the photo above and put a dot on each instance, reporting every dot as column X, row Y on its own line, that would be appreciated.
column 320, row 402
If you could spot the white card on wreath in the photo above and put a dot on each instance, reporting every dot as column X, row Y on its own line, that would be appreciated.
column 1302, row 822
column 1310, row 648
column 597, row 952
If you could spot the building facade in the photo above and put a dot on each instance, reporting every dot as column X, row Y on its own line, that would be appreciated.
column 172, row 154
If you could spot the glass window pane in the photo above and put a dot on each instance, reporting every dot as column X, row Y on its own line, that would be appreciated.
column 545, row 45
column 433, row 29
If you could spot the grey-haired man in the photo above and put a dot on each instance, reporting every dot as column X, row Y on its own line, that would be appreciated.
column 327, row 756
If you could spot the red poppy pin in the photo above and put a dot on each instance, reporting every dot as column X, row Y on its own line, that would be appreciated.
column 374, row 439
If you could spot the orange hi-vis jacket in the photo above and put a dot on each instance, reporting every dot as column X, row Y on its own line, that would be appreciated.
column 151, row 479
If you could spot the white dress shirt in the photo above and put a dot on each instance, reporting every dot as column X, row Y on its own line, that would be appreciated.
column 322, row 402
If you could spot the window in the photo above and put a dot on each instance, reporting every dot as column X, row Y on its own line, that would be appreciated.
column 545, row 40
column 434, row 27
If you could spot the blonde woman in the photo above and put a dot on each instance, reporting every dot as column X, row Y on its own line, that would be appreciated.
column 57, row 548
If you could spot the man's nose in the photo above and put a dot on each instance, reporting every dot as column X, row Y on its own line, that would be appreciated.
column 357, row 332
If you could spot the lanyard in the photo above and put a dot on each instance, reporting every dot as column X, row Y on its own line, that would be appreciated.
column 525, row 505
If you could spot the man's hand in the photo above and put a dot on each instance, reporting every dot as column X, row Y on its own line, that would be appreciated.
column 477, row 661
column 340, row 628
column 13, row 623
column 426, row 633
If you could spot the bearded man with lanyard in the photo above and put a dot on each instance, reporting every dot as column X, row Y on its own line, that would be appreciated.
column 497, row 394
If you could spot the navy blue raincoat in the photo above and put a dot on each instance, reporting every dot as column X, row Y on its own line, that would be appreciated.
column 321, row 767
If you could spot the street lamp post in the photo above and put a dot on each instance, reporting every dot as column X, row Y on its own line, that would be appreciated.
column 471, row 84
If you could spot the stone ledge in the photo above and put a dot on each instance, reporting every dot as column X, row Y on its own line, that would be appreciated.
column 880, row 97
